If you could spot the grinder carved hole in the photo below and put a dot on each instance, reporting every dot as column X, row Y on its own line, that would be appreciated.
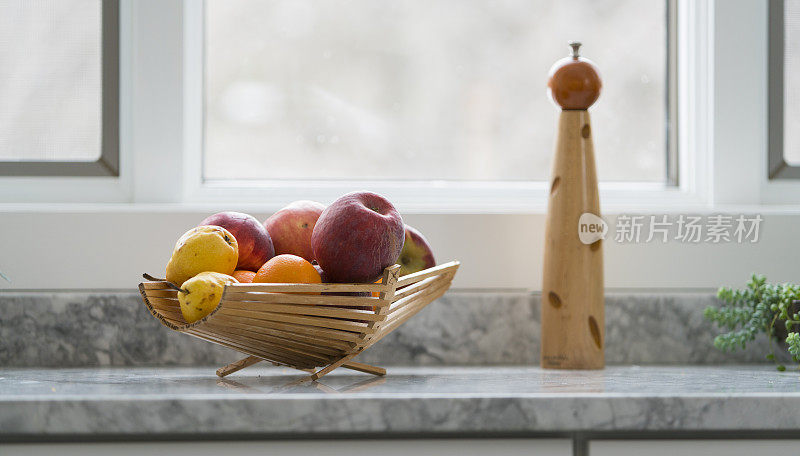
column 595, row 330
column 586, row 131
column 595, row 246
column 555, row 301
column 554, row 185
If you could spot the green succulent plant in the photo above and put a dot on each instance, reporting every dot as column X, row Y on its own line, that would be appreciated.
column 761, row 307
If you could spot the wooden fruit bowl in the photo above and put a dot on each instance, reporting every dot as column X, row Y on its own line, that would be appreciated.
column 310, row 327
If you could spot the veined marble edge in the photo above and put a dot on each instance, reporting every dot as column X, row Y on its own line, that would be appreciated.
column 416, row 400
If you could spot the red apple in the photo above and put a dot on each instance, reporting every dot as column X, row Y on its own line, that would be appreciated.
column 255, row 244
column 417, row 254
column 358, row 236
column 291, row 228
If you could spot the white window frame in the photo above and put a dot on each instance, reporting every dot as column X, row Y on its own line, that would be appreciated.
column 740, row 82
column 107, row 180
column 107, row 163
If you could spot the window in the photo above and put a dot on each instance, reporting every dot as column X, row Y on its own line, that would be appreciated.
column 436, row 90
column 784, row 96
column 58, row 83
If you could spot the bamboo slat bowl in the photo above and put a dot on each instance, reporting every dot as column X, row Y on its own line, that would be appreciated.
column 311, row 327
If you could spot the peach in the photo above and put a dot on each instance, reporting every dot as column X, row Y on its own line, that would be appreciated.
column 292, row 226
column 255, row 244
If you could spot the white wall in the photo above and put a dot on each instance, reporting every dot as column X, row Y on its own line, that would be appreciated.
column 110, row 247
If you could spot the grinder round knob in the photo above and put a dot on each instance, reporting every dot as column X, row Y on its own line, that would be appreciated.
column 574, row 82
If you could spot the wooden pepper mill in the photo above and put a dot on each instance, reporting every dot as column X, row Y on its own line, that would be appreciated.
column 573, row 320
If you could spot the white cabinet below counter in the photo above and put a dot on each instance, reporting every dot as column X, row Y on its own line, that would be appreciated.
column 393, row 447
column 692, row 447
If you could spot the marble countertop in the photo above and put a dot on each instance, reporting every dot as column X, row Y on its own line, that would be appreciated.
column 181, row 402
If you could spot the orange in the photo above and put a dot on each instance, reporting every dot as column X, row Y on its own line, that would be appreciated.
column 243, row 276
column 375, row 294
column 287, row 268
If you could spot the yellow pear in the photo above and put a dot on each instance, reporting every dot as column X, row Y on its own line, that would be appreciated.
column 201, row 294
column 201, row 249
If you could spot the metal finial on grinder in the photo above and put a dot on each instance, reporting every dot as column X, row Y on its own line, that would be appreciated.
column 576, row 48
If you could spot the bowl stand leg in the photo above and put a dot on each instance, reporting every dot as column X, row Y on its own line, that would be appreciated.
column 329, row 368
column 344, row 362
column 237, row 366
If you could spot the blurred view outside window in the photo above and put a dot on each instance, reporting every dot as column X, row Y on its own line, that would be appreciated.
column 50, row 80
column 425, row 90
column 791, row 82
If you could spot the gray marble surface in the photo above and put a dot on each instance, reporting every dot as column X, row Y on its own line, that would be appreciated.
column 182, row 402
column 72, row 329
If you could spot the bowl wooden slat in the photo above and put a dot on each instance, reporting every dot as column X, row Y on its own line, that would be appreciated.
column 257, row 332
column 156, row 286
column 309, row 287
column 414, row 287
column 169, row 294
column 289, row 334
column 243, row 342
column 261, row 351
column 236, row 294
column 419, row 294
column 303, row 309
column 313, row 331
column 400, row 317
column 297, row 325
column 251, row 342
column 436, row 270
column 321, row 322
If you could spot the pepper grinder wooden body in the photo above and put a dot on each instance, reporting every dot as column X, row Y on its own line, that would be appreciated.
column 573, row 316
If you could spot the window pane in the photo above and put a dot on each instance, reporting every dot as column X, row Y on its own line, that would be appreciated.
column 50, row 80
column 435, row 89
column 791, row 84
